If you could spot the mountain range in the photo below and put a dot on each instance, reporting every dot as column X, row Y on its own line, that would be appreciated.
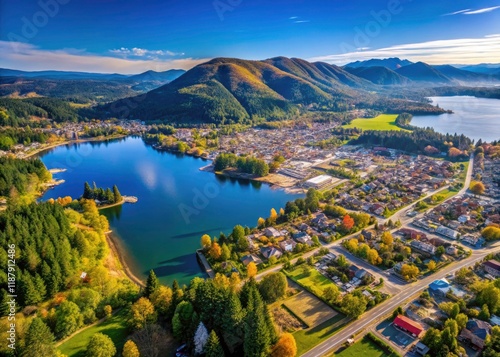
column 230, row 90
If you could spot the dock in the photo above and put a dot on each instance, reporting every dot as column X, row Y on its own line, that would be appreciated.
column 200, row 257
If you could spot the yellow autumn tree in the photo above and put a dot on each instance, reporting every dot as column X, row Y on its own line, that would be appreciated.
column 130, row 349
column 274, row 215
column 206, row 241
column 285, row 347
column 215, row 251
column 431, row 265
column 261, row 222
column 251, row 270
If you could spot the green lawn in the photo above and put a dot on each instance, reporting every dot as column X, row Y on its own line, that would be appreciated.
column 312, row 281
column 365, row 348
column 380, row 122
column 115, row 327
column 308, row 338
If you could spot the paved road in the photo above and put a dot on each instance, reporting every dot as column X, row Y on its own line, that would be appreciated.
column 390, row 305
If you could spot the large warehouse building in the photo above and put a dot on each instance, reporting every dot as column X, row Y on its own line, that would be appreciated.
column 318, row 182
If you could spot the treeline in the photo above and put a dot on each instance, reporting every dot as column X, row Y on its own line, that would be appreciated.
column 212, row 315
column 23, row 176
column 9, row 137
column 246, row 164
column 19, row 111
column 415, row 141
column 403, row 120
column 101, row 194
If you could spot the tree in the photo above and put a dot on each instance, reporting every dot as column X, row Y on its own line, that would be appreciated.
column 161, row 299
column 491, row 233
column 331, row 294
column 215, row 251
column 213, row 347
column 153, row 341
column 251, row 270
column 440, row 251
column 206, row 241
column 116, row 194
column 347, row 223
column 200, row 338
column 477, row 187
column 373, row 257
column 448, row 339
column 273, row 286
column 100, row 345
column 452, row 325
column 68, row 319
column 243, row 244
column 142, row 313
column 39, row 340
column 238, row 233
column 461, row 320
column 409, row 272
column 151, row 284
column 273, row 215
column 431, row 265
column 88, row 193
column 485, row 313
column 342, row 261
column 183, row 320
column 130, row 349
column 261, row 222
column 387, row 239
column 432, row 339
column 353, row 306
column 226, row 253
column 286, row 346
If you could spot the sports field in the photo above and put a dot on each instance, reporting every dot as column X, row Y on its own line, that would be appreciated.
column 380, row 122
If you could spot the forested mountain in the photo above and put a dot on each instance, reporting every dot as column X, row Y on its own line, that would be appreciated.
column 422, row 72
column 81, row 87
column 16, row 112
column 391, row 63
column 379, row 75
column 226, row 90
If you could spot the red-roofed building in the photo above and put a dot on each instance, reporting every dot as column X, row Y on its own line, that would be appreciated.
column 408, row 325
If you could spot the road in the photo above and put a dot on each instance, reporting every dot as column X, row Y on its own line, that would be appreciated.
column 387, row 307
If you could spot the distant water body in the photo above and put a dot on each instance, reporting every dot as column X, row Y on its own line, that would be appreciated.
column 177, row 204
column 473, row 117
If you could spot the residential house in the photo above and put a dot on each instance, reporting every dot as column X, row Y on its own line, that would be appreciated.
column 268, row 252
column 249, row 258
column 271, row 232
column 475, row 332
column 423, row 247
column 421, row 349
column 288, row 245
column 492, row 267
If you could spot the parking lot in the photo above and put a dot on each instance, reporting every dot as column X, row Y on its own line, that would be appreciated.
column 396, row 336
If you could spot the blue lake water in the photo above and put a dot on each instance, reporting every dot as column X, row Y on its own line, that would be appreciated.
column 177, row 204
column 473, row 117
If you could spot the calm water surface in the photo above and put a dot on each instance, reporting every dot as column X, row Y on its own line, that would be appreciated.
column 177, row 202
column 473, row 117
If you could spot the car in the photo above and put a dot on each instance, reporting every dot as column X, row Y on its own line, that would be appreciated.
column 181, row 348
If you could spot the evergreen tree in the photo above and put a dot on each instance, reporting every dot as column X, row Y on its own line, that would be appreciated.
column 88, row 193
column 68, row 319
column 152, row 284
column 39, row 340
column 116, row 193
column 213, row 347
column 109, row 196
column 257, row 333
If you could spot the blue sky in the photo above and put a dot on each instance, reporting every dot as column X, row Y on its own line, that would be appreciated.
column 134, row 36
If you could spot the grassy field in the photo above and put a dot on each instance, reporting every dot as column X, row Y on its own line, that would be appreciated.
column 380, row 122
column 308, row 338
column 365, row 348
column 313, row 280
column 309, row 308
column 115, row 327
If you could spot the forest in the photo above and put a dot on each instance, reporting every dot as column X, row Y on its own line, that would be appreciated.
column 20, row 177
column 107, row 195
column 249, row 164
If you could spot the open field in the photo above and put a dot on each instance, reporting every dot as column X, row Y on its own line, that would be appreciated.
column 312, row 280
column 365, row 348
column 308, row 338
column 115, row 327
column 309, row 308
column 380, row 122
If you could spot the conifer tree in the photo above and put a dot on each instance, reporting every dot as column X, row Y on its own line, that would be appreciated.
column 213, row 347
column 116, row 193
column 39, row 340
column 152, row 284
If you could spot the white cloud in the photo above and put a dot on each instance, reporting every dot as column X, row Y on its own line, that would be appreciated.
column 465, row 50
column 142, row 52
column 481, row 11
column 457, row 12
column 25, row 56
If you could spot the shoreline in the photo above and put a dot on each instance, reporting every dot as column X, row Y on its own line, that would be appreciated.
column 120, row 256
column 68, row 142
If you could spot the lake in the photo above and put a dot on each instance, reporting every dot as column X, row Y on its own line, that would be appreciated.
column 473, row 117
column 177, row 204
